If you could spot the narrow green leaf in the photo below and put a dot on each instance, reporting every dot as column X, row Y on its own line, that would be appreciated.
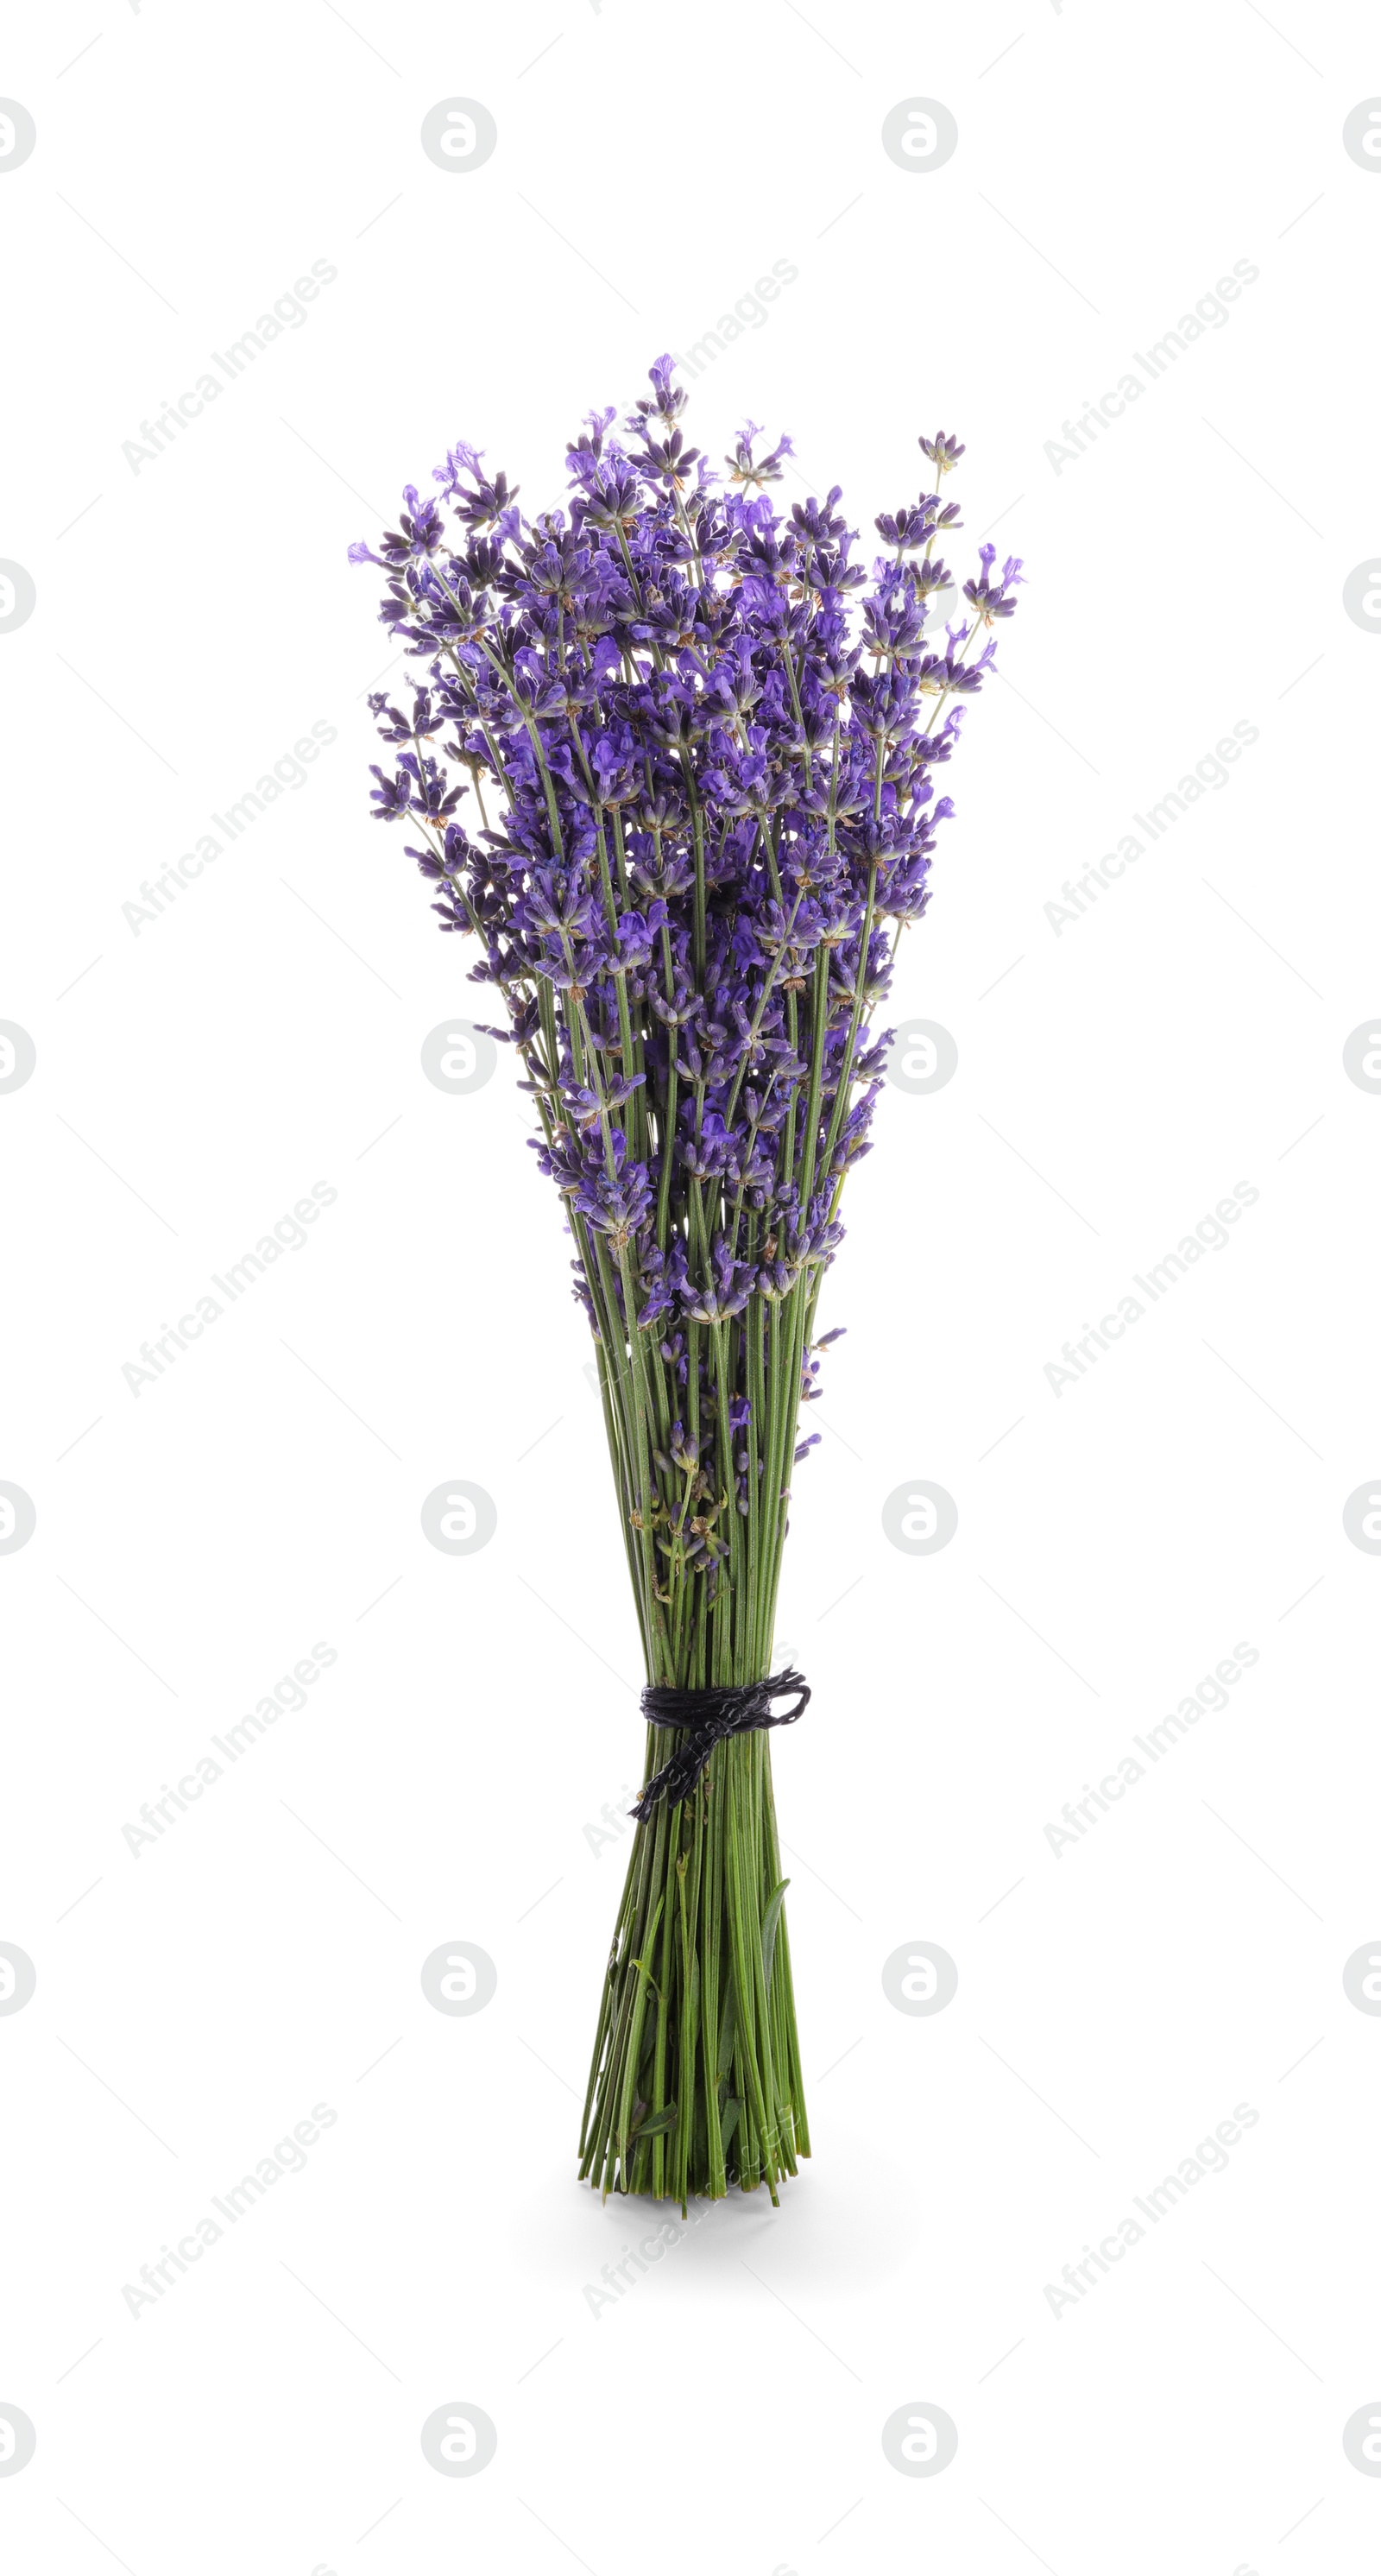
column 649, row 2128
column 769, row 1930
column 635, row 2037
column 728, row 2030
column 730, row 2121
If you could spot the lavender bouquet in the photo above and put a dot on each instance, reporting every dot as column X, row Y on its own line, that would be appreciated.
column 703, row 811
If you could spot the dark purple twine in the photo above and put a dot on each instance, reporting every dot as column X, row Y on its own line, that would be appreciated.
column 708, row 1716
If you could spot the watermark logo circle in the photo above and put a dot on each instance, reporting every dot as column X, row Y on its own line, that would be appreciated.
column 18, row 1056
column 459, row 2439
column 919, row 134
column 458, row 134
column 459, row 1518
column 1362, row 2440
column 1361, row 1517
column 1362, row 595
column 1362, row 1978
column 457, row 1056
column 18, row 1978
column 920, row 1977
column 1361, row 1055
column 18, row 134
column 920, row 1518
column 459, row 1978
column 922, row 1057
column 18, row 1518
column 941, row 606
column 920, row 2439
column 17, row 2439
column 1362, row 134
column 18, row 596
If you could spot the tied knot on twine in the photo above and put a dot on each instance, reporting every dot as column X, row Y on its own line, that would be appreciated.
column 706, row 1717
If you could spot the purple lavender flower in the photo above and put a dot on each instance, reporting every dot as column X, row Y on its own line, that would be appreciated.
column 705, row 809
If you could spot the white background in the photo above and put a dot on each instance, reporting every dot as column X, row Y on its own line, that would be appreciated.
column 197, row 1073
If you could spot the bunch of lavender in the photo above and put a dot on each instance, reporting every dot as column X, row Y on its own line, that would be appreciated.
column 703, row 811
